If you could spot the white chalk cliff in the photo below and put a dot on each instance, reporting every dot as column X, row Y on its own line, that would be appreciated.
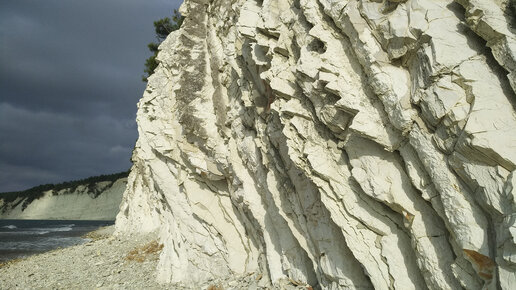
column 342, row 144
column 96, row 201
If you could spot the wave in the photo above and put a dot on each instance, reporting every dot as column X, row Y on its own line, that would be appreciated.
column 42, row 244
column 38, row 231
column 11, row 227
column 63, row 228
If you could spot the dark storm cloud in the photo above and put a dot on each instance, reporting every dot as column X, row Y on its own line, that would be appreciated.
column 70, row 78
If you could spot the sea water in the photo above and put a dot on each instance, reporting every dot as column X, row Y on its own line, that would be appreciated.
column 22, row 238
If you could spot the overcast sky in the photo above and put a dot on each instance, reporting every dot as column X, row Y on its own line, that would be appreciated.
column 70, row 78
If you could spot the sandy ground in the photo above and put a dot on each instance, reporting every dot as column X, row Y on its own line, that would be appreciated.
column 109, row 262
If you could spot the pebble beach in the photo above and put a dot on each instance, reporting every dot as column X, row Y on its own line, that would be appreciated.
column 110, row 261
column 100, row 263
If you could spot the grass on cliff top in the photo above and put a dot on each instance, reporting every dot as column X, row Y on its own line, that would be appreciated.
column 31, row 194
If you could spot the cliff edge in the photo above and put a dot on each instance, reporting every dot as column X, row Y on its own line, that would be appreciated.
column 340, row 144
column 88, row 201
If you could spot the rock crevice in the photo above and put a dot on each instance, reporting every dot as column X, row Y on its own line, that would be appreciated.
column 340, row 144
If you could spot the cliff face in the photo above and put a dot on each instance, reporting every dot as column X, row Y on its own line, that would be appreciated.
column 342, row 144
column 98, row 201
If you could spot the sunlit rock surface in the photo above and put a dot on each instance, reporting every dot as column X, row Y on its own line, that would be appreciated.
column 340, row 144
column 95, row 201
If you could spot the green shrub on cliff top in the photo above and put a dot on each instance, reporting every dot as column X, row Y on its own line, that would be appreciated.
column 162, row 28
column 31, row 194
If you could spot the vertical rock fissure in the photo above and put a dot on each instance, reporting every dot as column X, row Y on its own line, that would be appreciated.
column 341, row 144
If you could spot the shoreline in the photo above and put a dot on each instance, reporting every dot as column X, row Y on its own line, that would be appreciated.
column 100, row 233
column 110, row 261
column 21, row 239
column 99, row 263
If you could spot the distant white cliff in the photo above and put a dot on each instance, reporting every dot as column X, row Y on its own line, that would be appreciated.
column 350, row 144
column 96, row 201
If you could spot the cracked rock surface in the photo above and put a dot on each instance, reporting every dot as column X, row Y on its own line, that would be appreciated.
column 339, row 144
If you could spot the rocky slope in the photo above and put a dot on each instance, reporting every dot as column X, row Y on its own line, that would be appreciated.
column 92, row 201
column 340, row 144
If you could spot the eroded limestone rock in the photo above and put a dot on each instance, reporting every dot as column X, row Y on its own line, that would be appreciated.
column 340, row 144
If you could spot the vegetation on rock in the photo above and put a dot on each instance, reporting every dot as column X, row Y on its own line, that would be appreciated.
column 140, row 254
column 163, row 27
